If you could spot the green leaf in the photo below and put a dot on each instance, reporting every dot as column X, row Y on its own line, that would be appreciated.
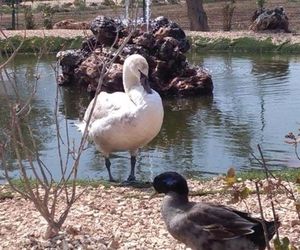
column 285, row 243
column 230, row 177
column 277, row 244
column 282, row 244
column 245, row 193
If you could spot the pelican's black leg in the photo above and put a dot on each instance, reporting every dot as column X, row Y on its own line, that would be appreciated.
column 131, row 177
column 107, row 164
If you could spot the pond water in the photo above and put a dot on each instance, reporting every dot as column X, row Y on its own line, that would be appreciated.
column 255, row 101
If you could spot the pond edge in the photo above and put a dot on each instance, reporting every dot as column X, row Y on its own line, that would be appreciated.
column 200, row 41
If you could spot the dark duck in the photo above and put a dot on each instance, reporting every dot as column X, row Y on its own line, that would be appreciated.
column 204, row 226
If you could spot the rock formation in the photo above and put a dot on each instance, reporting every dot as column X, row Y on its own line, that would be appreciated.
column 266, row 19
column 163, row 47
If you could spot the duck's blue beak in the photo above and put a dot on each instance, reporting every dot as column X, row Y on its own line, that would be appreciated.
column 145, row 83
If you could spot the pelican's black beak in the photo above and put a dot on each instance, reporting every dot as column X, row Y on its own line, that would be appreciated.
column 145, row 83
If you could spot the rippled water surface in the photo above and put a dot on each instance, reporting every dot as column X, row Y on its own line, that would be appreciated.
column 256, row 101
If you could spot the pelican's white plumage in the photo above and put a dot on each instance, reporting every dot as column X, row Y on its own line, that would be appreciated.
column 126, row 121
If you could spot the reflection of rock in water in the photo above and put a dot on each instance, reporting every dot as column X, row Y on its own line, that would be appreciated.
column 180, row 112
column 74, row 103
column 163, row 47
column 278, row 67
column 196, row 122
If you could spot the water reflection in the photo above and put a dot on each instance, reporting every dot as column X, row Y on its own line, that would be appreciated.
column 270, row 66
column 195, row 129
column 24, row 71
column 254, row 92
column 74, row 102
column 255, row 101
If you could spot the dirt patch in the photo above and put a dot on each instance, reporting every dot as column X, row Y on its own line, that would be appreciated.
column 42, row 33
column 124, row 218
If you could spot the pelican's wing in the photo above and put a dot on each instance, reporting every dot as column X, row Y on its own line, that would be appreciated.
column 220, row 222
column 107, row 104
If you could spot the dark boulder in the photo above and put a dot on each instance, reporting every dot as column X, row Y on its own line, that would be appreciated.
column 69, row 61
column 163, row 46
column 270, row 19
column 106, row 30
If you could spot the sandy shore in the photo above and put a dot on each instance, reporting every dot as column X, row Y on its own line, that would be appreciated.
column 124, row 218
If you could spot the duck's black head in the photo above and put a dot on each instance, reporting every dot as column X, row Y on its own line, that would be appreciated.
column 170, row 181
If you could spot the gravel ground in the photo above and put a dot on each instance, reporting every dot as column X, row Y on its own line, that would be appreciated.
column 276, row 37
column 124, row 218
column 41, row 33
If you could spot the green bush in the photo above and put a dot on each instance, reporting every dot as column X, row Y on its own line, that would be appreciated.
column 5, row 9
column 228, row 10
column 205, row 43
column 80, row 4
column 261, row 3
column 36, row 44
column 242, row 44
column 108, row 3
column 40, row 7
column 253, row 45
column 48, row 13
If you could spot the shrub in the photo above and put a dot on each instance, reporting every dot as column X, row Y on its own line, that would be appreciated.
column 261, row 3
column 29, row 19
column 36, row 44
column 228, row 10
column 79, row 4
column 48, row 13
column 108, row 3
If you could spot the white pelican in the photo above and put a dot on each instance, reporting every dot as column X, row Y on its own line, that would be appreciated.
column 126, row 121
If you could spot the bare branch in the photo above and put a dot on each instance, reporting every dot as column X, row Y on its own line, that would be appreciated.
column 38, row 182
column 262, row 217
column 16, row 50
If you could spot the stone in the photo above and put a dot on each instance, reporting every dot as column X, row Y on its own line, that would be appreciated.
column 106, row 30
column 164, row 46
column 270, row 19
column 69, row 60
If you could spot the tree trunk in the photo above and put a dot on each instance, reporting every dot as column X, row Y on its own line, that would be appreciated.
column 13, row 15
column 52, row 231
column 228, row 14
column 197, row 15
